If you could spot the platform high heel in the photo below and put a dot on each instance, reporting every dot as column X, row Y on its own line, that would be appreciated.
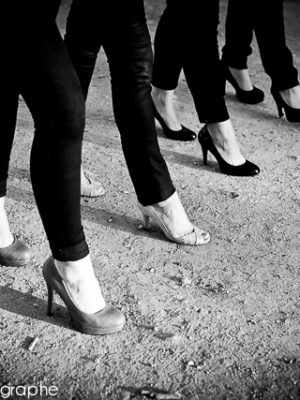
column 184, row 134
column 253, row 96
column 206, row 142
column 108, row 320
column 291, row 114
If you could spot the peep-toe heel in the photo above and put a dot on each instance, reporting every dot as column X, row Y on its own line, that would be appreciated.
column 194, row 238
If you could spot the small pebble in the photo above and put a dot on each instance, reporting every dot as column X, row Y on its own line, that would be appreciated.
column 191, row 363
column 33, row 343
column 110, row 220
column 187, row 281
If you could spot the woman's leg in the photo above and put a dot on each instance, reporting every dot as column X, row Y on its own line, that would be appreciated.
column 239, row 29
column 9, row 112
column 13, row 252
column 198, row 23
column 276, row 57
column 126, row 41
column 127, row 44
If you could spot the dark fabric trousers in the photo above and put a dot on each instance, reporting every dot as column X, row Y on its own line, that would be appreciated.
column 119, row 26
column 38, row 67
column 186, row 37
column 265, row 18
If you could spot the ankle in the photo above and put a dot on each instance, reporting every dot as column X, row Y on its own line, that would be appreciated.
column 291, row 96
column 75, row 270
column 164, row 97
column 223, row 136
column 242, row 78
column 171, row 211
column 81, row 282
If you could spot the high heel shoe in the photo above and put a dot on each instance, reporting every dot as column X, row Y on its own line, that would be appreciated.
column 108, row 320
column 194, row 238
column 16, row 255
column 291, row 114
column 206, row 142
column 184, row 134
column 253, row 96
column 89, row 187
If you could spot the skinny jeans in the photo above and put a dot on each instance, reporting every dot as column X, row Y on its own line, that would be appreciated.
column 266, row 19
column 119, row 26
column 39, row 68
column 186, row 38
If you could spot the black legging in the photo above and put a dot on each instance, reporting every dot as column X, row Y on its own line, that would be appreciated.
column 38, row 67
column 120, row 27
column 186, row 37
column 265, row 18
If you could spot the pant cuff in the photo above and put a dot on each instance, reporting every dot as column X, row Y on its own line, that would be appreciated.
column 153, row 199
column 71, row 253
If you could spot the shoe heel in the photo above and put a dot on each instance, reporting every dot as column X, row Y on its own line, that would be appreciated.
column 50, row 301
column 204, row 152
column 279, row 107
column 278, row 101
column 146, row 221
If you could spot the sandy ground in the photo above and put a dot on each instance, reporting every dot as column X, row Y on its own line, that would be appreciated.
column 215, row 322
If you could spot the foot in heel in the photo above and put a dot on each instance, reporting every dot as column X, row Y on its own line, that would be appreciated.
column 289, row 101
column 164, row 113
column 235, row 164
column 16, row 254
column 171, row 218
column 241, row 82
column 98, row 319
column 89, row 187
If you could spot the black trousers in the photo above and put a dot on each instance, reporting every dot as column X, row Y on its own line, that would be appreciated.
column 264, row 18
column 38, row 67
column 186, row 37
column 119, row 26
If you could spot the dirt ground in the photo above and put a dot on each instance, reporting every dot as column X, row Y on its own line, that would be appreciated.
column 215, row 322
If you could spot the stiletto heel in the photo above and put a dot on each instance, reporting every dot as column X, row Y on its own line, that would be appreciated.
column 103, row 322
column 253, row 96
column 50, row 301
column 291, row 114
column 194, row 238
column 184, row 134
column 246, row 169
column 146, row 220
column 204, row 152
